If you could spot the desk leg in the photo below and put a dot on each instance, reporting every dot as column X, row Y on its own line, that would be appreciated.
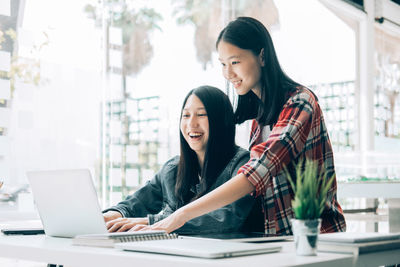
column 372, row 203
column 394, row 215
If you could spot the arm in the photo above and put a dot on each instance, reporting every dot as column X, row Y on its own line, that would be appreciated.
column 223, row 220
column 117, row 217
column 227, row 193
column 230, row 218
column 284, row 144
column 138, row 204
column 147, row 200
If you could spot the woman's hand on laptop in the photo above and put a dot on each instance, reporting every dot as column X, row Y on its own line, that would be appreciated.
column 111, row 215
column 125, row 224
column 169, row 224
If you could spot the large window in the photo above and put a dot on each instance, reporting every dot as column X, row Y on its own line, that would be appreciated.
column 104, row 81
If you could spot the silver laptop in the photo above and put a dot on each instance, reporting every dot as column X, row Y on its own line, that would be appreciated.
column 67, row 202
column 201, row 248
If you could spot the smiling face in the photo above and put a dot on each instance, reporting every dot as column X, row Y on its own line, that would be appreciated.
column 241, row 67
column 194, row 126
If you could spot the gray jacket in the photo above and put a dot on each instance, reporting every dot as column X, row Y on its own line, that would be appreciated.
column 157, row 200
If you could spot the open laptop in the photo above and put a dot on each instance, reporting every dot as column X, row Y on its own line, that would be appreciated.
column 201, row 248
column 250, row 237
column 68, row 206
column 67, row 202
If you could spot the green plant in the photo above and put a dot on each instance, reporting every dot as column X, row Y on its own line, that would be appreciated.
column 310, row 190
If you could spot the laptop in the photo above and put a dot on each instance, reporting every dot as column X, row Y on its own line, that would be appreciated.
column 67, row 202
column 200, row 248
column 249, row 237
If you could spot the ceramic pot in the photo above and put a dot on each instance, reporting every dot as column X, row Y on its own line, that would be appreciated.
column 305, row 233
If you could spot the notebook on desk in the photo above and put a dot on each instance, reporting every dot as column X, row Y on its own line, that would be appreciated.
column 345, row 237
column 110, row 239
column 358, row 243
column 200, row 248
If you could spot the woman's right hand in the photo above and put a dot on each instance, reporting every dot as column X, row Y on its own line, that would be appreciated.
column 169, row 224
column 125, row 224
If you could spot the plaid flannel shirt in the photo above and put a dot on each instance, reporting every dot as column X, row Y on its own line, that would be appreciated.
column 299, row 133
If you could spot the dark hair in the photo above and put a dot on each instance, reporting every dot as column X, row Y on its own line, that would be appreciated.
column 219, row 150
column 248, row 33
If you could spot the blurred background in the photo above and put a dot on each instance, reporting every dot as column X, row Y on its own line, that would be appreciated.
column 99, row 84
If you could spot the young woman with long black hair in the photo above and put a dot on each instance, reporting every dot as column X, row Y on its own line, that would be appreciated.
column 208, row 158
column 287, row 128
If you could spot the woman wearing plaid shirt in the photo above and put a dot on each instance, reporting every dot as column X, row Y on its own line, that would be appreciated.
column 288, row 127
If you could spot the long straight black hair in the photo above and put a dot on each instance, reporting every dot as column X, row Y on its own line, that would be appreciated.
column 248, row 33
column 219, row 150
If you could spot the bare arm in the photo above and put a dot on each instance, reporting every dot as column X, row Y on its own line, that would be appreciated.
column 227, row 193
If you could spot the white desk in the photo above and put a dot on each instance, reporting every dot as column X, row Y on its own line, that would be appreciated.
column 60, row 251
column 387, row 190
column 368, row 189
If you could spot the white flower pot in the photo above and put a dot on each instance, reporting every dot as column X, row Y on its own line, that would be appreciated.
column 305, row 234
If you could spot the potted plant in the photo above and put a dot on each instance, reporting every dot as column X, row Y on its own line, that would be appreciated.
column 310, row 189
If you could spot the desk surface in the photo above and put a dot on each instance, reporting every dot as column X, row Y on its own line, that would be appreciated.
column 368, row 189
column 61, row 251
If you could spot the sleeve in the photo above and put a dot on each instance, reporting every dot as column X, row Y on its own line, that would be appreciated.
column 287, row 139
column 227, row 219
column 146, row 200
column 153, row 218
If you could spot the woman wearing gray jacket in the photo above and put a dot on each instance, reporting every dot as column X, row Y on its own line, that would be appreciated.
column 208, row 158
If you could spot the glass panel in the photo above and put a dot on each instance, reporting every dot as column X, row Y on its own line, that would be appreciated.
column 54, row 100
column 112, row 81
column 337, row 101
column 387, row 93
column 156, row 52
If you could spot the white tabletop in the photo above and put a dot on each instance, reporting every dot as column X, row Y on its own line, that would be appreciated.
column 369, row 189
column 61, row 251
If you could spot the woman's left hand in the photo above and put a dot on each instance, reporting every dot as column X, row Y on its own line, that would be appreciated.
column 125, row 224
